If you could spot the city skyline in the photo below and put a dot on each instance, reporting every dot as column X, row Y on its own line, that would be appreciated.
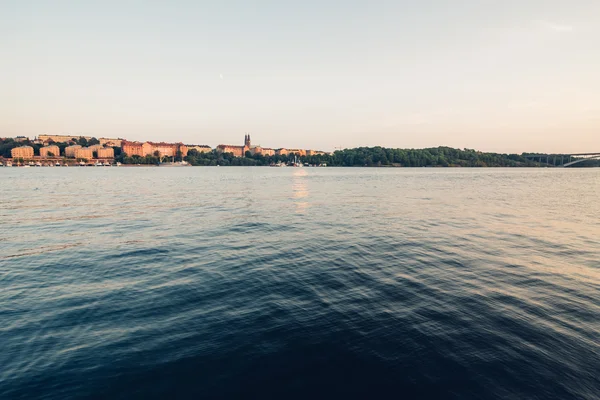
column 503, row 77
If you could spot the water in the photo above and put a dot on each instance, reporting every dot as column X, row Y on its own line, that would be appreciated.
column 299, row 283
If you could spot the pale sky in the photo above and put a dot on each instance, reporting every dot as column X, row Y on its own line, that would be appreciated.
column 493, row 75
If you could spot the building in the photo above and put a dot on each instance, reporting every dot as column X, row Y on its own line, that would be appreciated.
column 70, row 151
column 21, row 139
column 135, row 148
column 169, row 149
column 265, row 151
column 60, row 138
column 106, row 152
column 281, row 152
column 110, row 142
column 150, row 149
column 298, row 152
column 199, row 148
column 95, row 147
column 84, row 152
column 50, row 151
column 22, row 152
column 237, row 151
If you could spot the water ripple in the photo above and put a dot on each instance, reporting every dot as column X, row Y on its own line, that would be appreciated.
column 267, row 282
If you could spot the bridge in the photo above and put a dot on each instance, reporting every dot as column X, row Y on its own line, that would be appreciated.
column 562, row 160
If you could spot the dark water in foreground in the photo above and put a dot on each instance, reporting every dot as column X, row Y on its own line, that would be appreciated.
column 306, row 283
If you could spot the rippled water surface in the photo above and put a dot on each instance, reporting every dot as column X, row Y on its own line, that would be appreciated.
column 299, row 282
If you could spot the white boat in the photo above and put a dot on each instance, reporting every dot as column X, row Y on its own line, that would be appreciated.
column 57, row 164
column 26, row 166
column 118, row 164
column 98, row 164
column 9, row 164
column 38, row 164
column 173, row 163
column 106, row 164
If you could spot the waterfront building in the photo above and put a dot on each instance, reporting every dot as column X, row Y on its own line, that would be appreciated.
column 22, row 152
column 21, row 139
column 199, row 148
column 95, row 147
column 237, row 151
column 84, row 152
column 265, row 151
column 150, row 148
column 106, row 152
column 315, row 153
column 70, row 151
column 168, row 149
column 46, row 151
column 135, row 148
column 240, row 151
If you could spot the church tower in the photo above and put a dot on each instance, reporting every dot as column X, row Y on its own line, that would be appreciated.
column 247, row 141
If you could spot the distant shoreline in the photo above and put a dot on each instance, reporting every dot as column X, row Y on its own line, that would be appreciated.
column 291, row 167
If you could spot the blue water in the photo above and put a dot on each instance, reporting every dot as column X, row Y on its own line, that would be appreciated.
column 299, row 283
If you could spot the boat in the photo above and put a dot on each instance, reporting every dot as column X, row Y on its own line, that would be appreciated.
column 174, row 163
column 296, row 163
column 118, row 164
column 26, row 166
column 57, row 164
column 97, row 164
column 106, row 164
column 38, row 164
column 9, row 164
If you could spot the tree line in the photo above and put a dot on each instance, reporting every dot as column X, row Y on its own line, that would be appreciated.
column 383, row 157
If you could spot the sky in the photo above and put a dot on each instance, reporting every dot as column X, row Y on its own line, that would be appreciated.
column 492, row 75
